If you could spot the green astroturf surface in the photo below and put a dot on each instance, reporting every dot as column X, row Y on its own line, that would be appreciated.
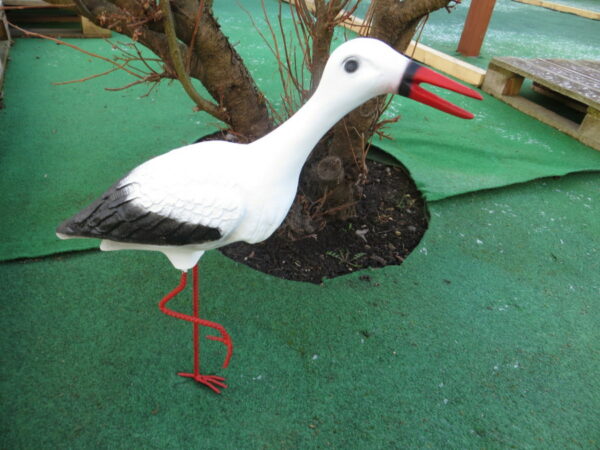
column 62, row 145
column 592, row 5
column 517, row 29
column 487, row 337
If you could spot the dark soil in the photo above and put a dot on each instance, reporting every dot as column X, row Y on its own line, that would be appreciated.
column 391, row 220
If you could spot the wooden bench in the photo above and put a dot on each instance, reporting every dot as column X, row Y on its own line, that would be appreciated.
column 577, row 81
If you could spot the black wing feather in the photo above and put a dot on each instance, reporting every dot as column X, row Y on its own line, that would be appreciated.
column 114, row 216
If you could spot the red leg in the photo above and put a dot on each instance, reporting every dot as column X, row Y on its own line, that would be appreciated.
column 212, row 381
column 196, row 312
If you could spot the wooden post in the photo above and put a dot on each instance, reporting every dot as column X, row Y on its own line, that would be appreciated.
column 4, row 33
column 478, row 19
column 4, row 48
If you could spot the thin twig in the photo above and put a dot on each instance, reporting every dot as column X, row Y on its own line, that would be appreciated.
column 422, row 27
column 127, row 86
column 273, row 47
column 145, row 60
column 60, row 83
column 286, row 52
column 58, row 41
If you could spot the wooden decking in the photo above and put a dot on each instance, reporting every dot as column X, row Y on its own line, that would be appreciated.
column 577, row 81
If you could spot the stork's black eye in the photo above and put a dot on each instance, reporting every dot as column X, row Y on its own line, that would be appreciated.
column 351, row 65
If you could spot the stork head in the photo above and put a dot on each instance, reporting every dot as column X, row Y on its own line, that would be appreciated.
column 364, row 68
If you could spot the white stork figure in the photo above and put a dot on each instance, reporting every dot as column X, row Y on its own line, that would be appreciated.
column 210, row 194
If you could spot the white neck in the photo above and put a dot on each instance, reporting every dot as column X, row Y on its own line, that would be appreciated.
column 288, row 146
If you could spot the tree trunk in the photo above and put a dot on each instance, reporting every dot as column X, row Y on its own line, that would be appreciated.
column 223, row 73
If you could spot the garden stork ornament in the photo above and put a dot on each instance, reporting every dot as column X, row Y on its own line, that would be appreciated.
column 210, row 194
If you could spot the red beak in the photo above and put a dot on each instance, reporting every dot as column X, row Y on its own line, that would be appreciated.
column 416, row 74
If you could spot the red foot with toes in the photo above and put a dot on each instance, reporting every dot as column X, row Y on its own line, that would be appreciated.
column 212, row 381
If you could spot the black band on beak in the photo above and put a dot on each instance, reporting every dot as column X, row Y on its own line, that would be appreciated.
column 407, row 79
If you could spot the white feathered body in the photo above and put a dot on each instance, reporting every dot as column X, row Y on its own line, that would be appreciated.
column 184, row 185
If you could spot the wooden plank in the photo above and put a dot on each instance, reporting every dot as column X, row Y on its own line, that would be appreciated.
column 4, row 49
column 563, row 8
column 91, row 30
column 55, row 32
column 570, row 80
column 501, row 82
column 571, row 84
column 36, row 3
column 590, row 128
column 588, row 63
column 589, row 69
column 40, row 17
column 88, row 28
column 445, row 63
column 498, row 81
column 570, row 70
column 5, row 43
column 571, row 103
column 4, row 32
column 39, row 4
column 589, row 133
column 543, row 115
column 550, row 69
column 476, row 25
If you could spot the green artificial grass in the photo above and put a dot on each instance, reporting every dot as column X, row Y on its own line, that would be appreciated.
column 591, row 5
column 487, row 337
column 62, row 145
column 518, row 29
column 449, row 156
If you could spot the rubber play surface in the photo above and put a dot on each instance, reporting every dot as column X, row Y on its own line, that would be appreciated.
column 486, row 337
